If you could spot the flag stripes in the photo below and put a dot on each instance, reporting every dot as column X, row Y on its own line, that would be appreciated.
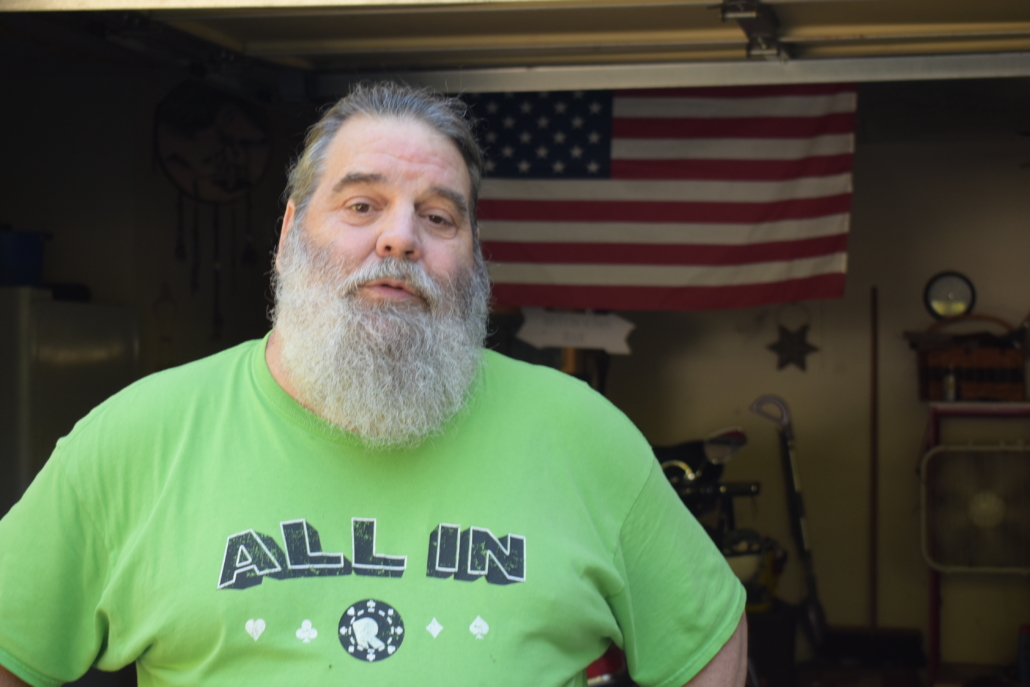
column 662, row 211
column 671, row 191
column 750, row 127
column 661, row 254
column 679, row 298
column 673, row 106
column 731, row 170
column 668, row 275
column 666, row 232
column 732, row 149
column 700, row 198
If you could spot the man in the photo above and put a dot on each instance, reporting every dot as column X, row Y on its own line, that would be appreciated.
column 366, row 496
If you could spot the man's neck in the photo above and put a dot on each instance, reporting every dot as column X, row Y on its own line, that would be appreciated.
column 274, row 359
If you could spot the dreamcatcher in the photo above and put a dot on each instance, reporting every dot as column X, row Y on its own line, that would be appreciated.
column 215, row 148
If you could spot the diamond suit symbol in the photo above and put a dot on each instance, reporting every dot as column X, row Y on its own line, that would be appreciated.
column 434, row 628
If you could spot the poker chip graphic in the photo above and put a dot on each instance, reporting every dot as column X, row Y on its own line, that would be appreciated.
column 371, row 630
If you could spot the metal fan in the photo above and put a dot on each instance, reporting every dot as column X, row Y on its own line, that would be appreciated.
column 976, row 508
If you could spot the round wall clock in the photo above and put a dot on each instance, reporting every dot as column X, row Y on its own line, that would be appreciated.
column 949, row 294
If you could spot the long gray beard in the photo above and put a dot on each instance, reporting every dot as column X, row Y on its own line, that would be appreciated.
column 391, row 373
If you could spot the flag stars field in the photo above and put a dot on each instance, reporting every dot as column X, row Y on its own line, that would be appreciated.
column 521, row 130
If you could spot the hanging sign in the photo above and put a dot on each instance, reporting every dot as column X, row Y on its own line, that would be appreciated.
column 575, row 330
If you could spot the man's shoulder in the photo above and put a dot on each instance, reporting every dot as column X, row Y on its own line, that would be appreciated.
column 193, row 377
column 548, row 395
column 222, row 363
column 518, row 377
column 551, row 423
column 170, row 392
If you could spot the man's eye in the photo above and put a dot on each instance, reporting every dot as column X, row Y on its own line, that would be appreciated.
column 438, row 219
column 361, row 207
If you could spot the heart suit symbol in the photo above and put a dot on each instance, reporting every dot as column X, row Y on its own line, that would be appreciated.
column 255, row 628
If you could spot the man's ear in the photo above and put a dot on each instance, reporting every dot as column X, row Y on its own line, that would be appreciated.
column 291, row 211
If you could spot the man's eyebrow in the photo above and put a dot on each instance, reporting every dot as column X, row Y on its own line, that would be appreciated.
column 458, row 200
column 357, row 178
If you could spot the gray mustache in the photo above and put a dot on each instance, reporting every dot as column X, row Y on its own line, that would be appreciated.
column 400, row 270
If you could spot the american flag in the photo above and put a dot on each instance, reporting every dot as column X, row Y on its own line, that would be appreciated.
column 679, row 199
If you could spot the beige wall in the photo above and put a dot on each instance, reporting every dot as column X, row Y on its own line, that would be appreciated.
column 938, row 185
column 933, row 191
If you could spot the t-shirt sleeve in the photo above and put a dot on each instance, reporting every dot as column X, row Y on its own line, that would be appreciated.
column 681, row 602
column 52, row 571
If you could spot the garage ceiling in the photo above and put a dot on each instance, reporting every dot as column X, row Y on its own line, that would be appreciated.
column 492, row 34
column 600, row 43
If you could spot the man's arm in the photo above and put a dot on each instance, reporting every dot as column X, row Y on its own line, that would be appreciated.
column 727, row 669
column 9, row 679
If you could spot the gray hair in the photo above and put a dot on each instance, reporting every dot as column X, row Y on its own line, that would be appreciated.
column 383, row 100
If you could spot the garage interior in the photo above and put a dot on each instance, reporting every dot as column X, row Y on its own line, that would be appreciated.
column 941, row 182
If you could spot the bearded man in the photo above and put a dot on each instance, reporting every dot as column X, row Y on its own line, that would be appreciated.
column 365, row 496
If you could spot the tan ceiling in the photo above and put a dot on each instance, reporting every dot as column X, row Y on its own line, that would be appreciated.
column 577, row 32
column 351, row 37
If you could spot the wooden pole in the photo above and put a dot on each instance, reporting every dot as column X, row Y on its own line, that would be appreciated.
column 874, row 463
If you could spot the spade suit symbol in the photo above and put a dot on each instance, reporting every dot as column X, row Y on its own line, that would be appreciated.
column 479, row 627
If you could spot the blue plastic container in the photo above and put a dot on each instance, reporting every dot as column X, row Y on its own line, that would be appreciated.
column 21, row 258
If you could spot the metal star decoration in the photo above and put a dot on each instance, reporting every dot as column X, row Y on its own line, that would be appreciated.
column 792, row 348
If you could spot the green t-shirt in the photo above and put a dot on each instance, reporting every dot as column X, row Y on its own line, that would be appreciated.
column 206, row 526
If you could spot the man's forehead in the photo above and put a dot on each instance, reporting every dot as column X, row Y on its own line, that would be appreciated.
column 372, row 149
column 363, row 133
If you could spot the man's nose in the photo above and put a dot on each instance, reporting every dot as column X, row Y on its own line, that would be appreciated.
column 399, row 237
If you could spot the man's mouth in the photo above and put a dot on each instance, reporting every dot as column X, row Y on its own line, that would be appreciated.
column 391, row 289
